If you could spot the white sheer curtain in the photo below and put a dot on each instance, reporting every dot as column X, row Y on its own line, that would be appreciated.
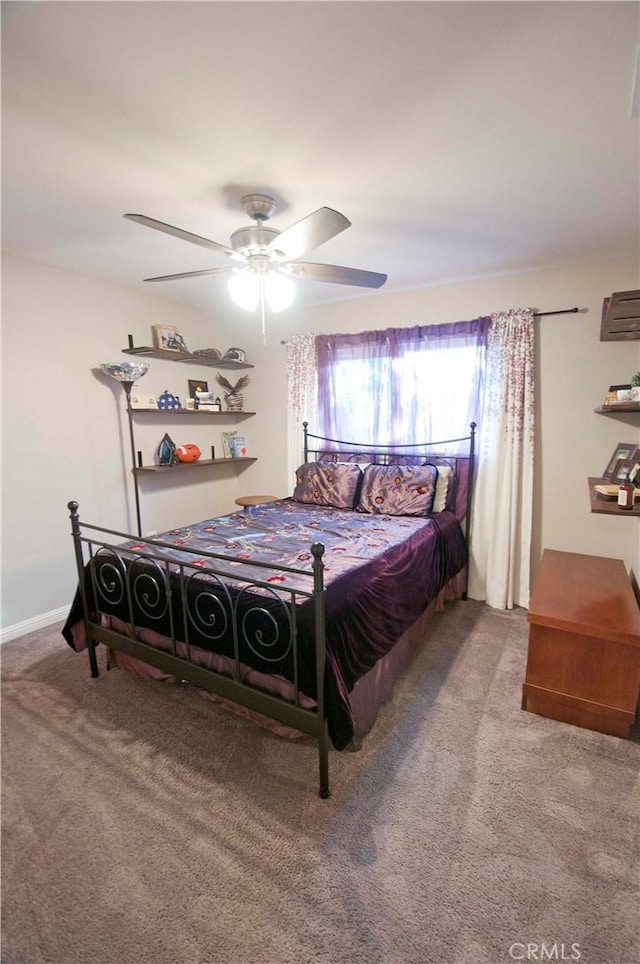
column 302, row 396
column 501, row 524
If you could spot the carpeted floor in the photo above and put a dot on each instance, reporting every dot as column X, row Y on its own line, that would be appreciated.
column 141, row 823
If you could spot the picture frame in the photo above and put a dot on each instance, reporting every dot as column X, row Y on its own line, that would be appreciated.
column 624, row 466
column 195, row 386
column 168, row 338
column 143, row 401
column 624, row 451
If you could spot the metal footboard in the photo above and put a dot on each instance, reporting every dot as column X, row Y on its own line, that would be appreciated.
column 195, row 606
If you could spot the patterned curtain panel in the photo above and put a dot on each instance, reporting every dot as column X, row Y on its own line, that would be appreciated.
column 501, row 524
column 301, row 396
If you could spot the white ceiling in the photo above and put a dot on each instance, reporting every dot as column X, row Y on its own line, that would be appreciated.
column 461, row 139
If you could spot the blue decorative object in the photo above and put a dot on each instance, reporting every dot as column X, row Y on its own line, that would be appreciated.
column 167, row 451
column 167, row 400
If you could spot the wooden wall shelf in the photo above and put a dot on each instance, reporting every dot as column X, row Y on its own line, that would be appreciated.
column 198, row 412
column 606, row 506
column 183, row 466
column 624, row 408
column 186, row 357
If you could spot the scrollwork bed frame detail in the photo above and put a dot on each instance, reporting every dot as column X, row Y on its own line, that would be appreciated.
column 206, row 597
column 148, row 581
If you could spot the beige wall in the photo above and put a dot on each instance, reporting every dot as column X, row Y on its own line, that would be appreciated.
column 574, row 370
column 65, row 435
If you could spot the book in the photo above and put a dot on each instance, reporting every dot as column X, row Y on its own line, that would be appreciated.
column 226, row 444
column 238, row 446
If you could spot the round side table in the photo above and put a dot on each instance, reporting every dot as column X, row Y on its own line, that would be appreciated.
column 246, row 500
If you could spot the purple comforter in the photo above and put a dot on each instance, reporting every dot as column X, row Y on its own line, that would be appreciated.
column 381, row 573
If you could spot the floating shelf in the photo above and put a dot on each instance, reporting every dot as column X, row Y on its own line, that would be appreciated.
column 198, row 412
column 621, row 409
column 183, row 466
column 186, row 357
column 605, row 506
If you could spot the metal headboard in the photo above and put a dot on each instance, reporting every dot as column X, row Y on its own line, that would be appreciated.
column 416, row 451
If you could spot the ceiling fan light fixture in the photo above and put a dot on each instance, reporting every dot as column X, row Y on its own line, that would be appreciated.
column 244, row 288
column 279, row 291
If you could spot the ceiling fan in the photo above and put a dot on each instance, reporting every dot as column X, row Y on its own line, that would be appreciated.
column 265, row 260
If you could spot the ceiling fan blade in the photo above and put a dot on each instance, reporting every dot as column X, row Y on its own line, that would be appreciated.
column 188, row 274
column 308, row 233
column 184, row 235
column 338, row 275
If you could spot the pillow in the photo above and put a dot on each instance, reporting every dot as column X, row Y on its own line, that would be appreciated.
column 398, row 489
column 328, row 483
column 445, row 479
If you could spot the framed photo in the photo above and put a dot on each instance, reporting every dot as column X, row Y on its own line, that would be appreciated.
column 624, row 466
column 143, row 401
column 624, row 451
column 167, row 338
column 190, row 404
column 196, row 386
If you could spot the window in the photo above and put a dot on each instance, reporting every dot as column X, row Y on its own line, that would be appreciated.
column 401, row 385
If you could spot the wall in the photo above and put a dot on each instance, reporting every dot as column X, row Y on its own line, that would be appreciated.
column 65, row 435
column 574, row 371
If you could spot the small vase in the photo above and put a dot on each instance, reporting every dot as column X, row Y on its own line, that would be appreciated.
column 234, row 401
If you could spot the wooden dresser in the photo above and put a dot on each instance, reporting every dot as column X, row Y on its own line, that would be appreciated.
column 583, row 664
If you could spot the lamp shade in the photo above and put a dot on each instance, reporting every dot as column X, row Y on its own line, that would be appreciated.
column 125, row 371
column 245, row 289
column 279, row 291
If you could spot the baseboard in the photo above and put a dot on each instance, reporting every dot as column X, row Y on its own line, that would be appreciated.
column 30, row 625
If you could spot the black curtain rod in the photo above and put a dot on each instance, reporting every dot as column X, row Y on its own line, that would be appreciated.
column 563, row 311
column 536, row 314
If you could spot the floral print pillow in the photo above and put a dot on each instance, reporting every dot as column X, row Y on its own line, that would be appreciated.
column 398, row 489
column 328, row 483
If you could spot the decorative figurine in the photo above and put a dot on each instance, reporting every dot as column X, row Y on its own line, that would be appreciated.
column 167, row 400
column 167, row 451
column 233, row 395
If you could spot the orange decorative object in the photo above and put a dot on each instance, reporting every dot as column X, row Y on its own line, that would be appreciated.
column 188, row 452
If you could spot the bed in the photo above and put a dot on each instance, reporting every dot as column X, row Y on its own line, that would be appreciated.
column 299, row 612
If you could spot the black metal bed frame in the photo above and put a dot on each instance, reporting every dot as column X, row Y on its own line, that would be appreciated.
column 148, row 580
column 418, row 452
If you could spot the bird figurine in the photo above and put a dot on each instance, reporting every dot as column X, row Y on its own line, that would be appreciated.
column 233, row 393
